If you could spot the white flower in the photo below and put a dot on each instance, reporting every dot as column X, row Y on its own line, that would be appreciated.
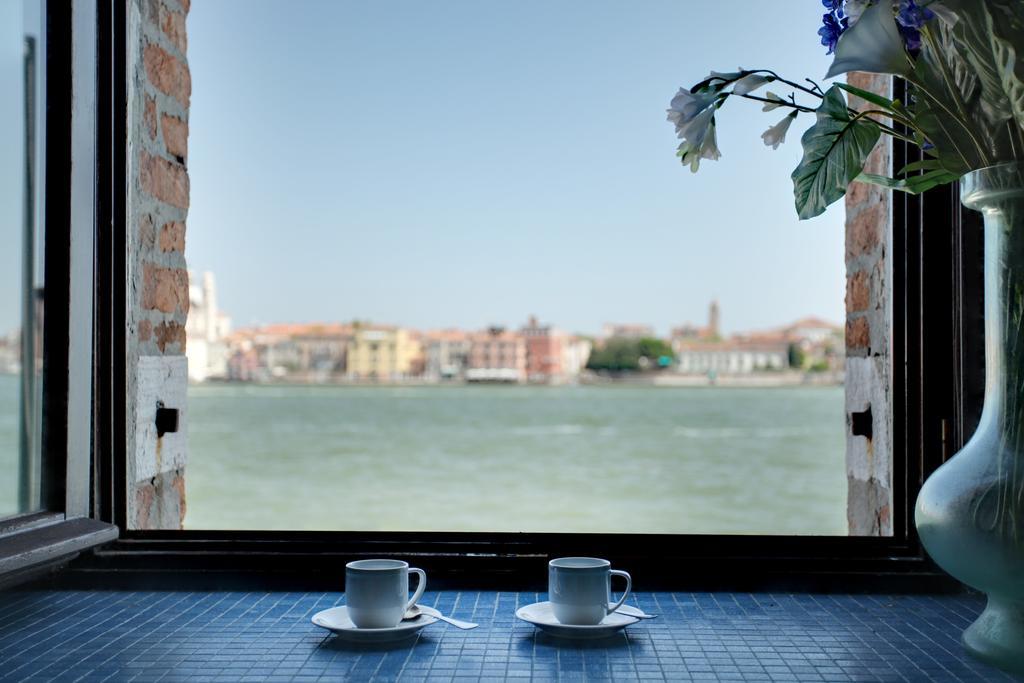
column 685, row 106
column 750, row 83
column 696, row 129
column 724, row 76
column 709, row 150
column 776, row 135
column 691, row 154
column 854, row 8
column 775, row 103
column 702, row 144
column 873, row 44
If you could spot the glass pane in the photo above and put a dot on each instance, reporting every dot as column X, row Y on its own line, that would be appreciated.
column 386, row 193
column 20, row 260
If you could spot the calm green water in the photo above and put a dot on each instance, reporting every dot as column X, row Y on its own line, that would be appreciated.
column 486, row 458
column 9, row 460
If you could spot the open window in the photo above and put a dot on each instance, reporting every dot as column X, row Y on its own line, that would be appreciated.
column 143, row 426
column 49, row 223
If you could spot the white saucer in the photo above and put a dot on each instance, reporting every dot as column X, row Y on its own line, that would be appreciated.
column 541, row 615
column 336, row 620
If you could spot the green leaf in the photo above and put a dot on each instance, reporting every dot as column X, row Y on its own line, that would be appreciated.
column 835, row 149
column 954, row 145
column 981, row 50
column 972, row 63
column 868, row 96
column 914, row 184
column 1010, row 70
column 923, row 165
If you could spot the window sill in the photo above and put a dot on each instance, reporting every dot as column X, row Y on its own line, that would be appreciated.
column 39, row 541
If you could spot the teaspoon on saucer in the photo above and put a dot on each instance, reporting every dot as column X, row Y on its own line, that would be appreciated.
column 415, row 611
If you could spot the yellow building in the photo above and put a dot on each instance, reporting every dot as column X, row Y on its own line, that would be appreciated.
column 381, row 353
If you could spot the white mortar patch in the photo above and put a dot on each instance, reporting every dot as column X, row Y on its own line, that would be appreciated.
column 867, row 385
column 160, row 379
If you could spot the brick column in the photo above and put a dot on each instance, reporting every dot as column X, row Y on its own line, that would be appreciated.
column 868, row 325
column 159, row 88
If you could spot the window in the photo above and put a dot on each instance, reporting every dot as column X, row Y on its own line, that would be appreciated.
column 155, row 334
column 48, row 212
column 22, row 268
column 653, row 446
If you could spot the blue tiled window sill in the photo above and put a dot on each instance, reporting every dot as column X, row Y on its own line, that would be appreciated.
column 235, row 636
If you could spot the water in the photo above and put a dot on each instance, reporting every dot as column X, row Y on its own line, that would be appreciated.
column 10, row 463
column 493, row 458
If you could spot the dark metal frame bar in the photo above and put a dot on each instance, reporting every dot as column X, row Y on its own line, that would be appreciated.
column 57, row 260
column 109, row 380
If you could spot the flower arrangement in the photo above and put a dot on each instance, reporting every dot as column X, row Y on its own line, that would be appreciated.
column 965, row 110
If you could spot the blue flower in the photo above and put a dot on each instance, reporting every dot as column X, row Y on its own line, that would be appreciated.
column 910, row 18
column 832, row 5
column 910, row 15
column 830, row 31
column 911, row 38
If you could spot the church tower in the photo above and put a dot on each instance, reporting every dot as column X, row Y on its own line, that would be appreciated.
column 714, row 319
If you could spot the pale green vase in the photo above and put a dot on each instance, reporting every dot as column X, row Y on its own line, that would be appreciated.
column 970, row 512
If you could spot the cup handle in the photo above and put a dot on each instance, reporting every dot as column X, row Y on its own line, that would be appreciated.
column 629, row 587
column 419, row 588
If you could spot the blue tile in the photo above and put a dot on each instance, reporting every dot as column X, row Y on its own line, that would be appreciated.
column 237, row 636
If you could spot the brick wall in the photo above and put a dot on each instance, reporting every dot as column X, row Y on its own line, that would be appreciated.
column 159, row 89
column 868, row 325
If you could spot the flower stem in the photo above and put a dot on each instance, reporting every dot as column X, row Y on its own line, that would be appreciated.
column 791, row 84
column 781, row 103
column 885, row 128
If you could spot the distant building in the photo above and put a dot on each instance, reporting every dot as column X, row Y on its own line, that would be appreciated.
column 205, row 330
column 497, row 356
column 811, row 330
column 446, row 354
column 626, row 331
column 730, row 357
column 712, row 332
column 321, row 350
column 552, row 356
column 307, row 352
column 381, row 354
column 703, row 351
column 10, row 353
column 575, row 354
column 544, row 352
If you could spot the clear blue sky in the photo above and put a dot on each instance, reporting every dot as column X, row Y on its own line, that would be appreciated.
column 12, row 133
column 464, row 163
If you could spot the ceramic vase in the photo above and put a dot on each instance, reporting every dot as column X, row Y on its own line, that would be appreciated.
column 970, row 512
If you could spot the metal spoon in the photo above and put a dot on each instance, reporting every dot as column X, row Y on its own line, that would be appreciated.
column 642, row 615
column 415, row 611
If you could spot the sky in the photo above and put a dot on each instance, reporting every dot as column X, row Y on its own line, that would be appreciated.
column 466, row 163
column 12, row 133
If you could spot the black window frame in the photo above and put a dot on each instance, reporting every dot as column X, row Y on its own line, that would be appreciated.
column 932, row 414
column 38, row 540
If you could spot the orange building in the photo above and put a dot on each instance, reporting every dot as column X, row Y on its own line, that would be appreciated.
column 545, row 351
column 496, row 355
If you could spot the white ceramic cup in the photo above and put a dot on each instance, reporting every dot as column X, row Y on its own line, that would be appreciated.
column 377, row 592
column 579, row 589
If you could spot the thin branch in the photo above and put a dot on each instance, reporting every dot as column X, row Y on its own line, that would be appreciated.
column 797, row 86
column 781, row 103
column 816, row 86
